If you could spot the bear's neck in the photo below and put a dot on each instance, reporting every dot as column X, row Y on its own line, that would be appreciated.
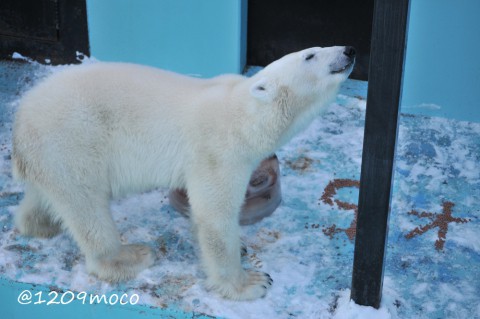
column 266, row 132
column 263, row 132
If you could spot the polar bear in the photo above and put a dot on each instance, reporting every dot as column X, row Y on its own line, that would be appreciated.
column 95, row 132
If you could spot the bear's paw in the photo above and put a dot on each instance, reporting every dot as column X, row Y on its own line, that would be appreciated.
column 124, row 265
column 252, row 285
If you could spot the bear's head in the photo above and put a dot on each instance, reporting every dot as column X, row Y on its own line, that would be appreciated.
column 310, row 74
column 295, row 88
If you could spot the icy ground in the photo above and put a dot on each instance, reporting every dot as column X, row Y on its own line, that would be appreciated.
column 433, row 255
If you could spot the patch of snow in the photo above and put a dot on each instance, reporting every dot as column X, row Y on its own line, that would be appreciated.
column 348, row 309
column 18, row 56
column 426, row 106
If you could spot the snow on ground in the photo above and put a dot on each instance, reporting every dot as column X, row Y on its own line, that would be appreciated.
column 433, row 254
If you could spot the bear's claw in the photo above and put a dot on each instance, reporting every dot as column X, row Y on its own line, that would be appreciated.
column 254, row 285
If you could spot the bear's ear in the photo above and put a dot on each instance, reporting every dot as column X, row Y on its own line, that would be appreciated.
column 260, row 90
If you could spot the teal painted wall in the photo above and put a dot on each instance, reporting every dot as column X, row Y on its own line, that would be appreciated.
column 442, row 66
column 207, row 38
column 203, row 38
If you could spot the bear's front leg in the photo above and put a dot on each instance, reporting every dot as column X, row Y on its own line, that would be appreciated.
column 215, row 211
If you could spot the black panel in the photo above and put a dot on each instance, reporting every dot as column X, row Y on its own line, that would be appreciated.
column 29, row 19
column 44, row 29
column 278, row 27
column 381, row 123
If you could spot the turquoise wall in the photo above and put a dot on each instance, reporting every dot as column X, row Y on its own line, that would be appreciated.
column 208, row 37
column 442, row 67
column 203, row 38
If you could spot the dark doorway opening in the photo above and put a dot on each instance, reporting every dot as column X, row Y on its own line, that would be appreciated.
column 279, row 27
column 52, row 31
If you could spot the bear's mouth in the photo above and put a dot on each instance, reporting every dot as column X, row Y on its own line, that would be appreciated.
column 344, row 68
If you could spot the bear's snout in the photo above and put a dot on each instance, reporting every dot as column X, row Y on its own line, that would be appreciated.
column 344, row 61
column 350, row 52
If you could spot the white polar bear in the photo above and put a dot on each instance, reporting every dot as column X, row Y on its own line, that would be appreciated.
column 94, row 132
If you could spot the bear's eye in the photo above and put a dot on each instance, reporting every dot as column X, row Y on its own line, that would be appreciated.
column 310, row 56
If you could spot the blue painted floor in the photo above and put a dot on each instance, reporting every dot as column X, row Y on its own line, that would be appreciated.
column 433, row 254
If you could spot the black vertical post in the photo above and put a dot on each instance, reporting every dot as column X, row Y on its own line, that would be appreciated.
column 383, row 100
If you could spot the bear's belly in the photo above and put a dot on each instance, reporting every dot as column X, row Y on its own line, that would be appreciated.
column 142, row 167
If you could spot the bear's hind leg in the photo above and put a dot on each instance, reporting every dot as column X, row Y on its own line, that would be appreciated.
column 88, row 218
column 33, row 217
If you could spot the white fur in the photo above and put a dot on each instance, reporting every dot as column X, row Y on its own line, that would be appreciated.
column 95, row 132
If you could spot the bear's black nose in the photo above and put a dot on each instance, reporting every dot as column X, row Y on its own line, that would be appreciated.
column 350, row 52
